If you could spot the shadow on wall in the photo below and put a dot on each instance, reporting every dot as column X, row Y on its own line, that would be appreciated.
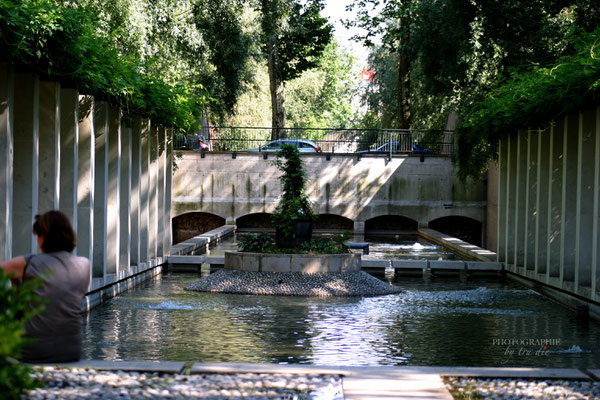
column 192, row 224
column 464, row 228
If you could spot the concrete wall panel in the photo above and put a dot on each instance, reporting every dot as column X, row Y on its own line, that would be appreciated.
column 6, row 159
column 25, row 167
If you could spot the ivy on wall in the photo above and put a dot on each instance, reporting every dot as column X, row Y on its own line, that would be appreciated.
column 529, row 99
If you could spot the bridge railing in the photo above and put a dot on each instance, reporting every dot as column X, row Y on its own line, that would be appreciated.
column 344, row 141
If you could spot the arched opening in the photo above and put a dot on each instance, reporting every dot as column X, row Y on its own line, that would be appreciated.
column 464, row 228
column 254, row 222
column 386, row 224
column 192, row 224
column 333, row 223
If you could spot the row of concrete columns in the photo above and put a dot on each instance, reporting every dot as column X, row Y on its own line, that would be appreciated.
column 548, row 203
column 108, row 171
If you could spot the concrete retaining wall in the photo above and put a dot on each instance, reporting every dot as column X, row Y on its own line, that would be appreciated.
column 549, row 207
column 306, row 263
column 358, row 188
column 108, row 171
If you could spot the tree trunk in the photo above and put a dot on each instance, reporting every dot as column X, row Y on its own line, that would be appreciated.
column 277, row 90
column 404, row 79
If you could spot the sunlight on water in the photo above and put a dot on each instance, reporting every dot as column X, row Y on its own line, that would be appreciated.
column 442, row 322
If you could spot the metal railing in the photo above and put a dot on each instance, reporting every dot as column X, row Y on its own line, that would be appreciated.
column 340, row 141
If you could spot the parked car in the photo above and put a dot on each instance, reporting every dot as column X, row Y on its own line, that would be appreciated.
column 383, row 149
column 421, row 150
column 201, row 143
column 304, row 146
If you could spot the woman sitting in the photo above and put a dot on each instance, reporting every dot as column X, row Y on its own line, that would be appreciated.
column 56, row 331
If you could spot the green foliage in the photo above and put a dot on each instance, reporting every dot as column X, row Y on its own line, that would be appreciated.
column 304, row 40
column 258, row 243
column 66, row 43
column 15, row 310
column 327, row 246
column 263, row 243
column 322, row 97
column 294, row 204
column 530, row 99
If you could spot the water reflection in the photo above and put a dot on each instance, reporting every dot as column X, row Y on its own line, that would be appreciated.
column 438, row 323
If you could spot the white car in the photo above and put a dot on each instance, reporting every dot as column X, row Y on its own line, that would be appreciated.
column 304, row 146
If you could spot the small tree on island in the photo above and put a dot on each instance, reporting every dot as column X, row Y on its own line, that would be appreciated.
column 293, row 216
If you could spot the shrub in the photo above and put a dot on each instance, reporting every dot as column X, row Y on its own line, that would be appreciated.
column 15, row 310
column 258, row 243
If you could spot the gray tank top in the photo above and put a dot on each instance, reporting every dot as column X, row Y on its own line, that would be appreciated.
column 57, row 329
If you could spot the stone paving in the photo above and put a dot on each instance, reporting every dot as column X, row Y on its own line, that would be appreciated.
column 82, row 383
column 172, row 380
column 512, row 389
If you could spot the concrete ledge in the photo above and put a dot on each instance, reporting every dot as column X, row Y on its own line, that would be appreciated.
column 242, row 368
column 410, row 264
column 305, row 263
column 484, row 266
column 202, row 241
column 447, row 265
column 595, row 373
column 163, row 367
column 104, row 289
column 460, row 247
column 367, row 263
column 537, row 373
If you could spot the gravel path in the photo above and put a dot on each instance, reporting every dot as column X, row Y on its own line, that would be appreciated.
column 79, row 383
column 293, row 284
column 511, row 389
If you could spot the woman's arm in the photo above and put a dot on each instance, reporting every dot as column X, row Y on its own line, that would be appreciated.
column 14, row 267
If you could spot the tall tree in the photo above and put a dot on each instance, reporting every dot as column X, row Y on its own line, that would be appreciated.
column 294, row 36
column 200, row 43
column 391, row 22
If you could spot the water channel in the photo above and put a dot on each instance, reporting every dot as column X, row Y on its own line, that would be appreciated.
column 480, row 322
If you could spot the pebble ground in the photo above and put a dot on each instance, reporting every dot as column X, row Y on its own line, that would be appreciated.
column 80, row 383
column 293, row 284
column 511, row 389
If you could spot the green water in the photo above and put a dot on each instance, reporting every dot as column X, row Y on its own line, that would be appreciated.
column 443, row 322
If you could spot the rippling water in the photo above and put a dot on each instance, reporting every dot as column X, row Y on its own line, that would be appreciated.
column 443, row 322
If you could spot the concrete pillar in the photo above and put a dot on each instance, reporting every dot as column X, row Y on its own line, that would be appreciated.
column 25, row 167
column 136, row 164
column 596, row 224
column 49, row 144
column 543, row 192
column 555, row 200
column 491, row 218
column 521, row 198
column 85, row 175
column 125, row 197
column 160, row 240
column 502, row 199
column 168, row 192
column 6, row 159
column 359, row 227
column 69, row 153
column 585, row 195
column 570, row 190
column 101, row 118
column 511, row 199
column 531, row 200
column 144, row 191
column 153, row 193
column 114, row 184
